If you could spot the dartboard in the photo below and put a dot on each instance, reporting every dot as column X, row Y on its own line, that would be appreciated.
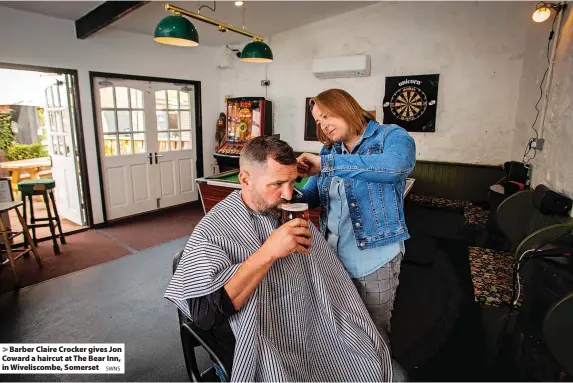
column 408, row 103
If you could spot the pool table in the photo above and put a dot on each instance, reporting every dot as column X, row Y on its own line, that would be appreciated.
column 214, row 189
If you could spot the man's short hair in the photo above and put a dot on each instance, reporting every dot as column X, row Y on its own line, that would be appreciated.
column 259, row 149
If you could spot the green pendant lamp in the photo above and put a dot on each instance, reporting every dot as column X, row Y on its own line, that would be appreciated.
column 257, row 52
column 176, row 30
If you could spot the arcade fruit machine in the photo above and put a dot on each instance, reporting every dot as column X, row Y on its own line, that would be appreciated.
column 247, row 117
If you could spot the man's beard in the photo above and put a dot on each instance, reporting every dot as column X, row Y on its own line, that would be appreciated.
column 263, row 207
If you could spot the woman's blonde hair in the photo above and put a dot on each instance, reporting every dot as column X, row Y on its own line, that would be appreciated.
column 339, row 103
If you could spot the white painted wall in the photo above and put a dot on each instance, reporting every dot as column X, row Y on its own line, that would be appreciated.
column 552, row 165
column 476, row 48
column 33, row 39
column 534, row 65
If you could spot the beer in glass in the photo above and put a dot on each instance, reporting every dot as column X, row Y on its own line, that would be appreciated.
column 295, row 210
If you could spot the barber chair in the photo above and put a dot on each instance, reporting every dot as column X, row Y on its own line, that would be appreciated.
column 193, row 339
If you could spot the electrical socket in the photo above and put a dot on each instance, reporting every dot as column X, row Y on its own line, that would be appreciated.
column 537, row 143
column 265, row 82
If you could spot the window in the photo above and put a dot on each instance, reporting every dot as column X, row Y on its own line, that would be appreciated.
column 123, row 121
column 57, row 118
column 172, row 108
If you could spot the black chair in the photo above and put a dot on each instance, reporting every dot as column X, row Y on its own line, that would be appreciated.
column 193, row 337
column 558, row 331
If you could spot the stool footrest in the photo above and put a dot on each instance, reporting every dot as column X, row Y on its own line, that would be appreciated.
column 45, row 219
column 20, row 255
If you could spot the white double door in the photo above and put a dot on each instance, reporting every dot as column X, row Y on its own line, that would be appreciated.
column 147, row 145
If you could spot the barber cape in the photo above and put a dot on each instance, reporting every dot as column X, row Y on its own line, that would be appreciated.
column 304, row 322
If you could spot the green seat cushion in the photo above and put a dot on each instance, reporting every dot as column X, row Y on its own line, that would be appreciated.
column 30, row 186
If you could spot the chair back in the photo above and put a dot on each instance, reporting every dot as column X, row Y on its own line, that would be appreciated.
column 518, row 218
column 193, row 337
column 513, row 216
column 176, row 259
column 558, row 331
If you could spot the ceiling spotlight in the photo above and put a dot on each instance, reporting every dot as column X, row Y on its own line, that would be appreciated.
column 543, row 11
column 238, row 3
column 541, row 14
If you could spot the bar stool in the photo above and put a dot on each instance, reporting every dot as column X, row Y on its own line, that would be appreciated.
column 43, row 187
column 8, row 235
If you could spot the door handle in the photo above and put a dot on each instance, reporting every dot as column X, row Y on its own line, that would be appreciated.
column 150, row 158
column 157, row 155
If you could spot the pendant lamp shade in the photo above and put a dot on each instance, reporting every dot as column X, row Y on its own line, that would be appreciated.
column 176, row 30
column 257, row 52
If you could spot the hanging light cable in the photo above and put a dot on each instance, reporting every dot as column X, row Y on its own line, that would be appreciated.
column 256, row 51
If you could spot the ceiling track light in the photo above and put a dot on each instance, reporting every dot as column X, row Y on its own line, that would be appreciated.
column 543, row 11
column 177, row 30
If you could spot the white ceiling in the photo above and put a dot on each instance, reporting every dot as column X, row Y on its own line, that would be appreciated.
column 69, row 10
column 263, row 18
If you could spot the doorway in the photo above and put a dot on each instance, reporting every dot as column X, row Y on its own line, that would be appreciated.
column 41, row 138
column 149, row 142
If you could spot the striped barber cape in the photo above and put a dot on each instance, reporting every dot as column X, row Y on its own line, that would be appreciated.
column 304, row 322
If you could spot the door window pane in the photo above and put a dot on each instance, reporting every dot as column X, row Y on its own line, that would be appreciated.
column 185, row 140
column 66, row 121
column 172, row 99
column 123, row 123
column 56, row 94
column 49, row 97
column 108, row 121
column 185, row 120
column 106, row 97
column 173, row 120
column 136, row 99
column 160, row 100
column 161, row 120
column 125, row 144
column 63, row 97
column 52, row 117
column 137, row 121
column 174, row 143
column 61, row 146
column 55, row 145
column 59, row 122
column 183, row 100
column 110, row 144
column 139, row 143
column 121, row 99
column 163, row 142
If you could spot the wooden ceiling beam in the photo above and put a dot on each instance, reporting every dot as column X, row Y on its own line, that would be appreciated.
column 104, row 15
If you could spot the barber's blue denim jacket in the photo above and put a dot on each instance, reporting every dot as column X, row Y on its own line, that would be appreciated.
column 374, row 175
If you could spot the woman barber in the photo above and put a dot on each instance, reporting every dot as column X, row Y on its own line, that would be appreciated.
column 359, row 180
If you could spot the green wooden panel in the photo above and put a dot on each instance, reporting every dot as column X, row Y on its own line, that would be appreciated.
column 458, row 181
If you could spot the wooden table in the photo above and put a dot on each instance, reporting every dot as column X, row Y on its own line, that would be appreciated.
column 32, row 166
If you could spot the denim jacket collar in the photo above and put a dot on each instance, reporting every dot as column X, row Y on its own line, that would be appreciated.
column 371, row 128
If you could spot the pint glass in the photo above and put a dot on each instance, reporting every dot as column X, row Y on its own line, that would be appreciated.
column 294, row 210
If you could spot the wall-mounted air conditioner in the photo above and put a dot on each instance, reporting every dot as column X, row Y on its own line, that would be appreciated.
column 341, row 67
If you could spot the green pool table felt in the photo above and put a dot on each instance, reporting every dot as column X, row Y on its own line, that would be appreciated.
column 234, row 177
